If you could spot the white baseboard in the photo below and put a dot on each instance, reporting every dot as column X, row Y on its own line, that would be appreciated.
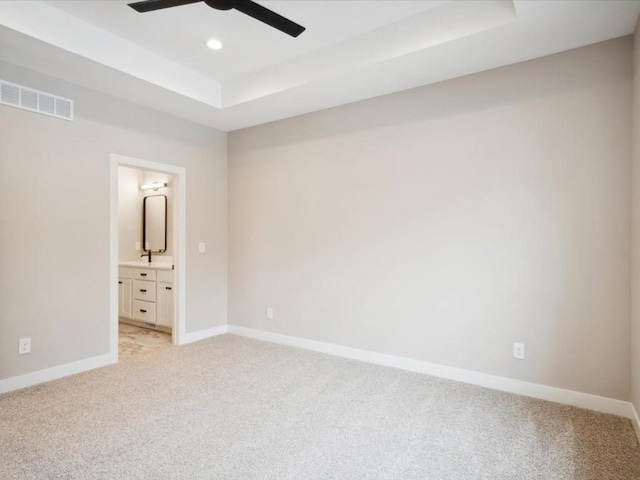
column 543, row 392
column 53, row 373
column 635, row 420
column 29, row 379
column 202, row 334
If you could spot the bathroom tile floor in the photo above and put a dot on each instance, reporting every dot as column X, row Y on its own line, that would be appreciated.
column 135, row 340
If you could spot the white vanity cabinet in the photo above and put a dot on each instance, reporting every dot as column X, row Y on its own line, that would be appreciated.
column 124, row 293
column 146, row 295
column 165, row 298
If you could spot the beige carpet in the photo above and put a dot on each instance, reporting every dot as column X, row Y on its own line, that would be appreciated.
column 231, row 408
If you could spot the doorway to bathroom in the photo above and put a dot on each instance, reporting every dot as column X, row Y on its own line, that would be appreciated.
column 147, row 269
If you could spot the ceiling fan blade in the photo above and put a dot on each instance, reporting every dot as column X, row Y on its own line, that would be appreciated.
column 151, row 5
column 269, row 17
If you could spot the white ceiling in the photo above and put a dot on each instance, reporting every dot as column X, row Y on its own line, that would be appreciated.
column 249, row 45
column 351, row 50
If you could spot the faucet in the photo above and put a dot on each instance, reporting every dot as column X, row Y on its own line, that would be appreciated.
column 147, row 254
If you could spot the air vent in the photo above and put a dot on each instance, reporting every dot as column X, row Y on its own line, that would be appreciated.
column 10, row 94
column 64, row 108
column 35, row 101
column 29, row 99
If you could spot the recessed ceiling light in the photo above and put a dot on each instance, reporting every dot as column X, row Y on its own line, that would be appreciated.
column 214, row 44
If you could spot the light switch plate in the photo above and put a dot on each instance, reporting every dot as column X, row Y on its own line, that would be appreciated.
column 201, row 247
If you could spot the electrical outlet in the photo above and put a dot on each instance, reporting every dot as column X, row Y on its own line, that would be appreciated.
column 137, row 246
column 270, row 312
column 201, row 247
column 518, row 351
column 24, row 346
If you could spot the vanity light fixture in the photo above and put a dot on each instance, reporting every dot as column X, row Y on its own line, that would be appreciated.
column 153, row 186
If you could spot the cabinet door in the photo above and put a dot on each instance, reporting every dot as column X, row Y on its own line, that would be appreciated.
column 165, row 304
column 124, row 297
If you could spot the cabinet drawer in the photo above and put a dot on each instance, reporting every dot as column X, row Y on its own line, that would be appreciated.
column 144, row 311
column 144, row 274
column 144, row 290
column 165, row 276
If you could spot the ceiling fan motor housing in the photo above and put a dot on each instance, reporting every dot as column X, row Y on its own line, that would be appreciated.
column 221, row 4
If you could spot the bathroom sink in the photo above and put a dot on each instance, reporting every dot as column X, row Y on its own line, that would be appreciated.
column 142, row 263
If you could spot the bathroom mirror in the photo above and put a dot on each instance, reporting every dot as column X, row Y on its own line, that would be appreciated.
column 154, row 223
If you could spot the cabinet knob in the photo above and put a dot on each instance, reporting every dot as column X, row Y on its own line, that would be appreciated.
column 143, row 290
column 143, row 311
column 119, row 282
column 167, row 288
column 143, row 274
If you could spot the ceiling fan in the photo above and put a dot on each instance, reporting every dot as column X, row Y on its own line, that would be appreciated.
column 248, row 7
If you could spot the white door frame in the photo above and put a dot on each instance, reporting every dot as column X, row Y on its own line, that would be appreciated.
column 179, row 240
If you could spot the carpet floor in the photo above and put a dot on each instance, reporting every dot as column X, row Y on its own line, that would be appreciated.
column 233, row 408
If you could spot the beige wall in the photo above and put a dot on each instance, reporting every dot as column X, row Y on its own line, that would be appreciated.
column 446, row 222
column 635, row 222
column 54, row 220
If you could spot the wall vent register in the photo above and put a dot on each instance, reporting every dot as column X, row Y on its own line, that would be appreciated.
column 26, row 98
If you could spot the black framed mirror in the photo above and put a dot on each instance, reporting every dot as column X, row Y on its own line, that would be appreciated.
column 154, row 223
